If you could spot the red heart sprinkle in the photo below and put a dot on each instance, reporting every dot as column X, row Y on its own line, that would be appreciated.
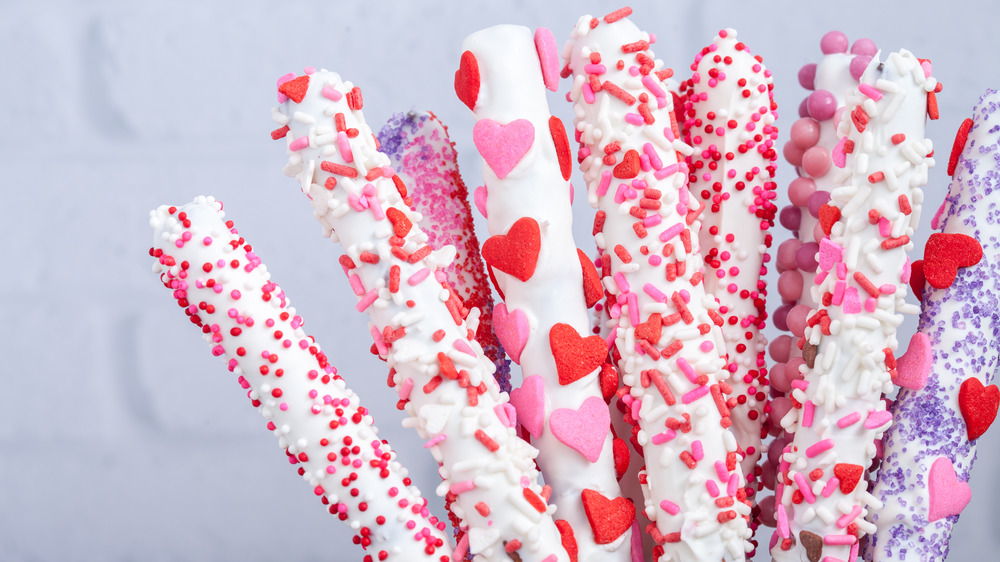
column 945, row 253
column 593, row 291
column 609, row 381
column 568, row 539
column 629, row 166
column 515, row 253
column 651, row 329
column 956, row 149
column 609, row 519
column 400, row 224
column 917, row 280
column 849, row 476
column 621, row 453
column 561, row 142
column 296, row 88
column 828, row 216
column 467, row 80
column 575, row 356
column 978, row 405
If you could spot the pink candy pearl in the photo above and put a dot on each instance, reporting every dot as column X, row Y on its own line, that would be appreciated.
column 796, row 319
column 805, row 132
column 821, row 105
column 858, row 65
column 799, row 191
column 793, row 153
column 805, row 257
column 816, row 161
column 780, row 348
column 864, row 47
column 833, row 42
column 790, row 217
column 818, row 234
column 790, row 285
column 807, row 76
column 786, row 254
column 779, row 316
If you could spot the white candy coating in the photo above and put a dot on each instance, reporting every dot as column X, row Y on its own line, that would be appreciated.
column 419, row 326
column 318, row 421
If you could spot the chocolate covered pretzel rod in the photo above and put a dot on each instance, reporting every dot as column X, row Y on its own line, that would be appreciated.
column 850, row 341
column 813, row 139
column 947, row 400
column 424, row 157
column 730, row 123
column 546, row 282
column 227, row 291
column 669, row 331
column 444, row 381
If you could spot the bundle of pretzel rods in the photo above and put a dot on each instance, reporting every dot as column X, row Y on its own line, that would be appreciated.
column 660, row 433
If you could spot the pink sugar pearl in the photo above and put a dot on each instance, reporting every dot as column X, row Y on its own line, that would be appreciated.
column 833, row 42
column 805, row 132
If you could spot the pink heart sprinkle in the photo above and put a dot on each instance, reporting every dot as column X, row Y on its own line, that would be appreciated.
column 583, row 429
column 503, row 146
column 529, row 402
column 512, row 329
column 913, row 366
column 548, row 56
column 479, row 196
column 948, row 495
column 877, row 419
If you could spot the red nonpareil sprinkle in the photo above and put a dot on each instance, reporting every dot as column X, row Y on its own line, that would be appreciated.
column 339, row 169
column 330, row 183
column 512, row 545
column 483, row 509
column 487, row 441
column 618, row 14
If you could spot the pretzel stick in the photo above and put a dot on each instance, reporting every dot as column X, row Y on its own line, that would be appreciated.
column 227, row 292
column 944, row 406
column 444, row 380
column 546, row 282
column 669, row 335
column 849, row 342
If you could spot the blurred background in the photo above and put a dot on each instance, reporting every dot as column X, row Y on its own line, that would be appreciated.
column 122, row 437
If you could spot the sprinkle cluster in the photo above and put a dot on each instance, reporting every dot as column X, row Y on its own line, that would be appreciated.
column 226, row 291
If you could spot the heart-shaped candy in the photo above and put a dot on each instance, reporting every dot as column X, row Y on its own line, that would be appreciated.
column 828, row 216
column 467, row 80
column 978, row 404
column 503, row 146
column 948, row 495
column 515, row 253
column 609, row 519
column 512, row 329
column 945, row 253
column 917, row 280
column 561, row 142
column 295, row 88
column 548, row 56
column 575, row 356
column 913, row 366
column 849, row 476
column 593, row 291
column 629, row 167
column 583, row 429
column 479, row 196
column 529, row 401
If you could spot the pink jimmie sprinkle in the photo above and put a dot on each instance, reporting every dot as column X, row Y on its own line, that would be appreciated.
column 661, row 438
column 344, row 145
column 849, row 419
column 602, row 188
column 712, row 487
column 329, row 92
column 807, row 493
column 367, row 300
column 419, row 276
column 298, row 144
column 831, row 485
column 807, row 414
column 670, row 507
column 695, row 394
column 633, row 308
column 697, row 450
column 869, row 91
column 652, row 291
column 671, row 232
column 846, row 520
column 816, row 449
column 839, row 540
column 782, row 522
column 721, row 471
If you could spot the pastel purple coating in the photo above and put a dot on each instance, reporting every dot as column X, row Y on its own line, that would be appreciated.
column 821, row 105
column 807, row 76
column 817, row 200
column 833, row 42
column 864, row 46
column 790, row 217
column 962, row 323
column 858, row 65
column 806, row 257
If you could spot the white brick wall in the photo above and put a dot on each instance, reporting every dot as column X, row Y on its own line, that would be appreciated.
column 122, row 437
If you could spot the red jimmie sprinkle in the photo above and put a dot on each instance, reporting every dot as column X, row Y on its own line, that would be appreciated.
column 487, row 441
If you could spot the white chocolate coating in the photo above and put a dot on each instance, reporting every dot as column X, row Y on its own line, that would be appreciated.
column 675, row 367
column 730, row 123
column 319, row 422
column 962, row 326
column 512, row 88
column 850, row 339
column 439, row 369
